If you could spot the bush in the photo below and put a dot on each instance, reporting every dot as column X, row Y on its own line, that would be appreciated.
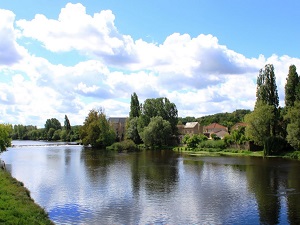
column 219, row 144
column 127, row 145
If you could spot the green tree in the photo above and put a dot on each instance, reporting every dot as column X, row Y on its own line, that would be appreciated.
column 260, row 123
column 267, row 93
column 135, row 110
column 266, row 86
column 5, row 136
column 132, row 130
column 292, row 82
column 50, row 133
column 157, row 132
column 96, row 130
column 293, row 127
column 67, row 124
column 52, row 123
column 159, row 107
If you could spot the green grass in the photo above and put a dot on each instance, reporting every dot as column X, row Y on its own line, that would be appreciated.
column 16, row 205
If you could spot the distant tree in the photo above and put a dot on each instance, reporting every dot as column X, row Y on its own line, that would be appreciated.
column 67, row 124
column 56, row 135
column 50, row 133
column 157, row 132
column 5, row 133
column 96, row 130
column 292, row 83
column 52, row 123
column 135, row 110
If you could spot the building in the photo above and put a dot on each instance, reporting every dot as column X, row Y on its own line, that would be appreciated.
column 215, row 128
column 118, row 124
column 189, row 128
column 237, row 126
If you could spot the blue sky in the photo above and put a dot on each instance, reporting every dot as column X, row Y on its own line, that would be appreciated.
column 67, row 57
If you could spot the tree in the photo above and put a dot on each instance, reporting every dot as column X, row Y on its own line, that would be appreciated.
column 293, row 128
column 157, row 132
column 159, row 107
column 96, row 130
column 266, row 86
column 259, row 123
column 292, row 82
column 135, row 110
column 266, row 93
column 52, row 123
column 67, row 124
column 132, row 130
column 5, row 133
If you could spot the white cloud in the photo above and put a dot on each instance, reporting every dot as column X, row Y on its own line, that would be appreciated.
column 198, row 74
column 10, row 52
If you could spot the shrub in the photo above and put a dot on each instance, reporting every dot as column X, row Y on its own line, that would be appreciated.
column 220, row 144
column 127, row 145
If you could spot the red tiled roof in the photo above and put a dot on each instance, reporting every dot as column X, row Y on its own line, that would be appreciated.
column 214, row 125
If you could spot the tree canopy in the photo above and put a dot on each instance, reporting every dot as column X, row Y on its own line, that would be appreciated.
column 5, row 133
column 291, row 86
column 96, row 130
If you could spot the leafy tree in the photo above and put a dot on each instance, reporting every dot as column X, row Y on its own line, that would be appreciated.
column 50, row 133
column 267, row 93
column 259, row 123
column 67, row 124
column 132, row 130
column 5, row 133
column 293, row 128
column 52, row 123
column 96, row 130
column 159, row 107
column 266, row 86
column 292, row 82
column 157, row 132
column 135, row 110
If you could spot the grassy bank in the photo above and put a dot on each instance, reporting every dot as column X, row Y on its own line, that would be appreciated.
column 16, row 205
column 217, row 152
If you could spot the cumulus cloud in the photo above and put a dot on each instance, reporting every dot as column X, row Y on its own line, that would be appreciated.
column 198, row 74
column 9, row 50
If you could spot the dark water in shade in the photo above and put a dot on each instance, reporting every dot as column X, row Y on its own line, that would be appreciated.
column 84, row 186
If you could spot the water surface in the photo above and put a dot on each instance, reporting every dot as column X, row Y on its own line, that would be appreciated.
column 84, row 186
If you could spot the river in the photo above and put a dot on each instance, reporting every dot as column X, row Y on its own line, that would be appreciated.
column 77, row 185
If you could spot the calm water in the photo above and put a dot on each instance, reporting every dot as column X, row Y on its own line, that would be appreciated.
column 84, row 186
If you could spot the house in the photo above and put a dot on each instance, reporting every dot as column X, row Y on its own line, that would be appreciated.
column 118, row 124
column 190, row 128
column 215, row 128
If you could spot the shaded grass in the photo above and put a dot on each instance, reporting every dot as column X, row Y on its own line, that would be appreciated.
column 16, row 205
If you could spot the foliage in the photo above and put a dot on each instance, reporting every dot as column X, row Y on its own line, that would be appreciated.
column 96, row 130
column 225, row 119
column 266, row 86
column 5, row 139
column 132, row 130
column 236, row 137
column 126, row 145
column 135, row 110
column 67, row 124
column 291, row 86
column 293, row 127
column 16, row 206
column 157, row 132
column 212, row 144
column 215, row 137
column 159, row 107
column 259, row 123
column 274, row 145
column 52, row 123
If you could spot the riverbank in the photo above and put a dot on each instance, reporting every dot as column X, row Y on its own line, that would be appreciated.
column 216, row 152
column 16, row 205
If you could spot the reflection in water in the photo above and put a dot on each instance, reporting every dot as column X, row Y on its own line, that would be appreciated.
column 85, row 186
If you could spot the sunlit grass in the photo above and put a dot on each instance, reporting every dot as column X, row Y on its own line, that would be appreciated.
column 16, row 205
